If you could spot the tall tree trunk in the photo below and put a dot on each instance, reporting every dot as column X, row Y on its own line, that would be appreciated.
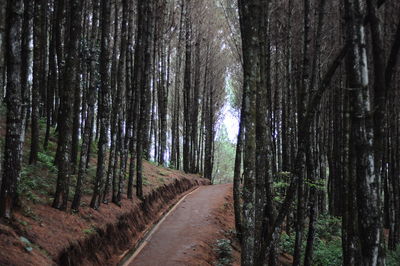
column 37, row 79
column 3, row 7
column 209, row 136
column 311, row 172
column 237, row 174
column 76, row 124
column 130, row 142
column 146, row 38
column 26, row 63
column 104, row 99
column 195, row 110
column 91, row 100
column 53, row 79
column 368, row 180
column 250, row 14
column 121, row 94
column 187, row 91
column 12, row 153
column 175, row 115
column 65, row 133
column 302, row 135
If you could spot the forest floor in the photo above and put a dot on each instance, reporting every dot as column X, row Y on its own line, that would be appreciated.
column 199, row 231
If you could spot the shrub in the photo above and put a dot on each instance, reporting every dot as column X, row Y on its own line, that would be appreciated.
column 393, row 257
column 327, row 253
column 224, row 251
column 328, row 227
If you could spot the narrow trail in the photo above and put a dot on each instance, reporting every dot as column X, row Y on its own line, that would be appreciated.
column 181, row 237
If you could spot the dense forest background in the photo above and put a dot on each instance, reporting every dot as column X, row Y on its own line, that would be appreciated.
column 319, row 131
column 115, row 81
column 314, row 84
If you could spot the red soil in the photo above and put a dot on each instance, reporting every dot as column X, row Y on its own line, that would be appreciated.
column 56, row 237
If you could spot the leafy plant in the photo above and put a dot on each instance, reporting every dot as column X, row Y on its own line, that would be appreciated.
column 146, row 181
column 393, row 257
column 89, row 231
column 320, row 185
column 280, row 184
column 327, row 253
column 48, row 161
column 28, row 212
column 327, row 242
column 224, row 250
column 21, row 222
column 328, row 227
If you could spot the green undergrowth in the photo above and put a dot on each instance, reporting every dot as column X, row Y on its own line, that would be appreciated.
column 90, row 231
column 224, row 250
column 393, row 257
column 38, row 181
column 327, row 243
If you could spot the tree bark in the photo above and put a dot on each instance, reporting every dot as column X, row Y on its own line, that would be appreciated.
column 368, row 180
column 91, row 100
column 66, row 105
column 12, row 154
column 249, row 12
column 104, row 98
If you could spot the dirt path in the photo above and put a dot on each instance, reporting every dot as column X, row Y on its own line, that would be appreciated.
column 184, row 236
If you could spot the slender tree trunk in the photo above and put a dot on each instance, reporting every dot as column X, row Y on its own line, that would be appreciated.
column 195, row 105
column 175, row 116
column 310, row 166
column 37, row 78
column 3, row 7
column 302, row 137
column 104, row 105
column 187, row 91
column 53, row 78
column 76, row 124
column 237, row 174
column 121, row 93
column 26, row 63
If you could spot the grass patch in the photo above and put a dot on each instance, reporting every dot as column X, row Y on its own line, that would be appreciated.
column 146, row 181
column 89, row 231
column 162, row 173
